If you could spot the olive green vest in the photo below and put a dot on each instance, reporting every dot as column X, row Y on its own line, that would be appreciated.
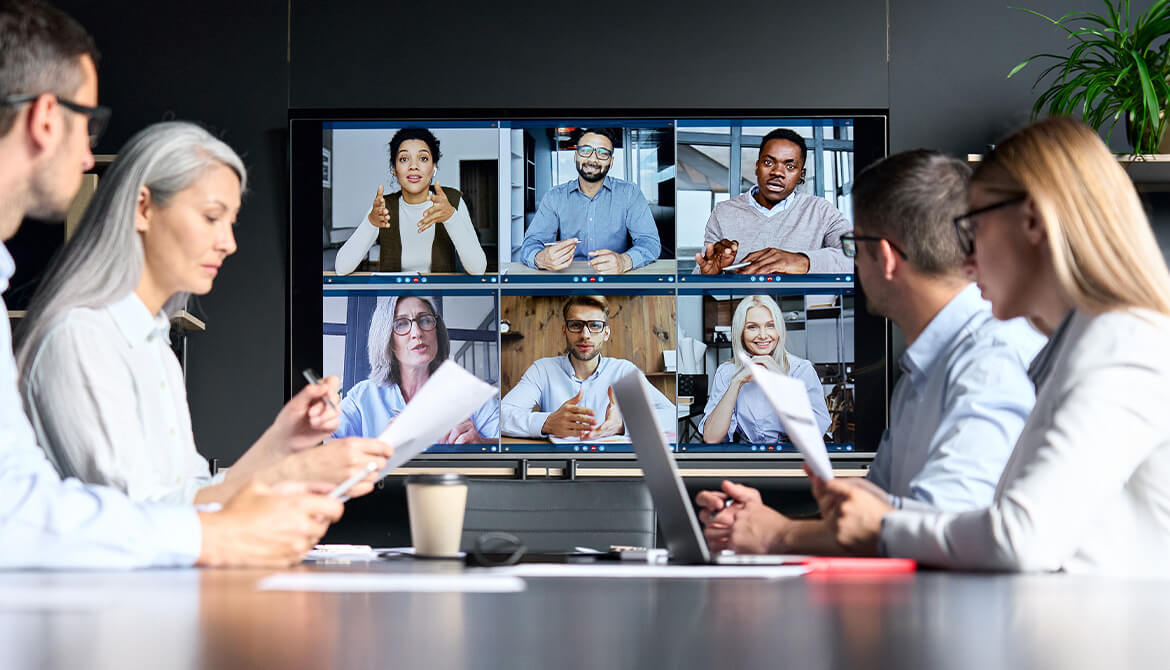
column 390, row 239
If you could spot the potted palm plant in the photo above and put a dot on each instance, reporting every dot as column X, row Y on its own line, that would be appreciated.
column 1116, row 69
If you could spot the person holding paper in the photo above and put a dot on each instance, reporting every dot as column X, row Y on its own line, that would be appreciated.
column 1055, row 232
column 573, row 393
column 104, row 391
column 771, row 228
column 737, row 410
column 49, row 122
column 408, row 341
column 965, row 394
column 423, row 227
column 595, row 218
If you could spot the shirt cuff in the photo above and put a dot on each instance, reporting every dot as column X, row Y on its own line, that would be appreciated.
column 529, row 258
column 638, row 257
column 177, row 537
column 536, row 423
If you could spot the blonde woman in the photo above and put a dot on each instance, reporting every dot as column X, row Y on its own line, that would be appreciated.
column 736, row 404
column 1055, row 232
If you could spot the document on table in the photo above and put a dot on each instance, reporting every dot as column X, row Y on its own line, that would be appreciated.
column 789, row 399
column 644, row 571
column 371, row 582
column 448, row 397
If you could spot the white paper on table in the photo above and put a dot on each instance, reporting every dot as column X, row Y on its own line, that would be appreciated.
column 789, row 399
column 645, row 571
column 369, row 582
column 608, row 439
column 451, row 395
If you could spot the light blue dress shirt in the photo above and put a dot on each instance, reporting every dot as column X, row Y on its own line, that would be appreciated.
column 753, row 413
column 369, row 406
column 549, row 382
column 615, row 215
column 958, row 408
column 49, row 523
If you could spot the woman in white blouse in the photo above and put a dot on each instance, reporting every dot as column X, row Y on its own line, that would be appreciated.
column 101, row 386
column 423, row 227
column 1056, row 232
column 736, row 406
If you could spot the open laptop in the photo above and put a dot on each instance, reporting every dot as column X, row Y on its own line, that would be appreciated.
column 676, row 517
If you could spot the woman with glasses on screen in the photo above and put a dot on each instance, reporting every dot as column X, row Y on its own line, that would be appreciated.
column 1056, row 233
column 737, row 410
column 102, row 388
column 423, row 227
column 408, row 342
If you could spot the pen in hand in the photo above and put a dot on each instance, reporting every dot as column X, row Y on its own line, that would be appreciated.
column 348, row 484
column 312, row 378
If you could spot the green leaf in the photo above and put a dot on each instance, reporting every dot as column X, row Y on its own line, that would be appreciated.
column 1019, row 67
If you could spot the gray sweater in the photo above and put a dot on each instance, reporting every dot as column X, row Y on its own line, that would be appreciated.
column 808, row 225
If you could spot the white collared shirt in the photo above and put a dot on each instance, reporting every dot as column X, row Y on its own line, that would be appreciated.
column 106, row 397
column 776, row 209
column 49, row 523
column 1085, row 489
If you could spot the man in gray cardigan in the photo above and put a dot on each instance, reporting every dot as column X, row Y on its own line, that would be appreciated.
column 772, row 228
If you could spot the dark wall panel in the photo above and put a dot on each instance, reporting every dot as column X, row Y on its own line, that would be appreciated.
column 949, row 61
column 224, row 64
column 752, row 54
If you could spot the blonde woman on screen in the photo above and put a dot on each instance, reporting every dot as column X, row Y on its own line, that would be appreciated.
column 736, row 404
column 1056, row 232
column 104, row 392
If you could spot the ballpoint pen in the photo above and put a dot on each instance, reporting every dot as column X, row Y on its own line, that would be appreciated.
column 312, row 378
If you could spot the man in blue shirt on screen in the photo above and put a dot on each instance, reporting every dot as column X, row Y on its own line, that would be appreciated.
column 48, row 119
column 964, row 393
column 573, row 393
column 596, row 218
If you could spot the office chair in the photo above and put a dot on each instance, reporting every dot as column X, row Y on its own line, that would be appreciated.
column 557, row 516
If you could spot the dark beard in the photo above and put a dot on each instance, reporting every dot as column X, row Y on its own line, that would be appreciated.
column 593, row 179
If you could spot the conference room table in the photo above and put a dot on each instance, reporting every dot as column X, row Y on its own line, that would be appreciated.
column 219, row 619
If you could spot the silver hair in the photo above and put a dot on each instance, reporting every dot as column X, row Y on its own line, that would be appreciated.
column 384, row 369
column 740, row 319
column 102, row 262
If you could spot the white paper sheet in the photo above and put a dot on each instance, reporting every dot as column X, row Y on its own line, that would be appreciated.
column 448, row 397
column 644, row 571
column 370, row 582
column 789, row 399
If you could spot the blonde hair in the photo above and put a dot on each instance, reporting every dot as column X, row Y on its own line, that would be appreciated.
column 739, row 319
column 1103, row 250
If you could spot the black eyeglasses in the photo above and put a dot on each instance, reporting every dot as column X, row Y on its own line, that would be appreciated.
column 849, row 244
column 965, row 223
column 98, row 117
column 585, row 151
column 577, row 325
column 402, row 324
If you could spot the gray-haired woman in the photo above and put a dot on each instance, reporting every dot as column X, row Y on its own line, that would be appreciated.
column 104, row 393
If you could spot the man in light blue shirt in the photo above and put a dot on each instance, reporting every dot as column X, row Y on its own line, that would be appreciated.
column 572, row 394
column 595, row 218
column 965, row 393
column 48, row 118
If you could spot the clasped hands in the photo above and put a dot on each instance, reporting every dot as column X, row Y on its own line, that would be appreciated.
column 559, row 255
column 735, row 517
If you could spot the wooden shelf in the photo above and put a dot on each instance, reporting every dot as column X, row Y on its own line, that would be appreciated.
column 1149, row 172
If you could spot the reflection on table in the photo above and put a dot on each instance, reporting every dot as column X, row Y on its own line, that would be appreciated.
column 218, row 619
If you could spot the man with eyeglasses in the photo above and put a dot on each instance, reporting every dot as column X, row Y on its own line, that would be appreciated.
column 596, row 218
column 771, row 228
column 964, row 393
column 573, row 394
column 49, row 120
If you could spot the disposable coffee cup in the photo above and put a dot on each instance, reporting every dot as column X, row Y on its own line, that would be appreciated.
column 436, row 504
